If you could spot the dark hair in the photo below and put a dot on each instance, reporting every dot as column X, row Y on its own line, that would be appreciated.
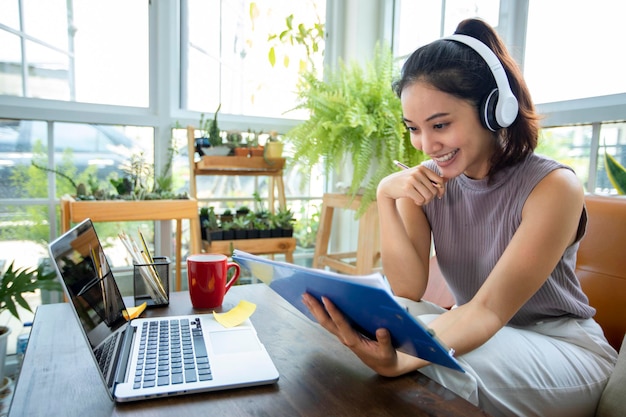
column 457, row 69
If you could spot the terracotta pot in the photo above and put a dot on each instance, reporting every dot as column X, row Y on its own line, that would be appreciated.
column 256, row 151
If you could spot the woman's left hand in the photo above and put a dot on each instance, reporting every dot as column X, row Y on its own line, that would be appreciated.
column 378, row 354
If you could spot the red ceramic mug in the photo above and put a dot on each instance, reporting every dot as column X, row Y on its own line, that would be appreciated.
column 208, row 279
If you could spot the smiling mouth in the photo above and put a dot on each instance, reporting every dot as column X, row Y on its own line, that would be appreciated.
column 446, row 157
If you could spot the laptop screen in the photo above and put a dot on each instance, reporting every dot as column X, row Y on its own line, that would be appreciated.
column 89, row 282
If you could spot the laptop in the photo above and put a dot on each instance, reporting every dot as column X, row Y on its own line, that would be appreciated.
column 152, row 357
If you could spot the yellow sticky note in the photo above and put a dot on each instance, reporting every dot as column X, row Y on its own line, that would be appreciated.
column 237, row 315
column 134, row 312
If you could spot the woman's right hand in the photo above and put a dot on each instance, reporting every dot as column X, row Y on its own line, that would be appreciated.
column 419, row 184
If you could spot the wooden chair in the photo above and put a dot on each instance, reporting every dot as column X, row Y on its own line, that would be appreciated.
column 367, row 255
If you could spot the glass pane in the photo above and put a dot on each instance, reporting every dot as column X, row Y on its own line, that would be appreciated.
column 10, row 64
column 80, row 51
column 10, row 14
column 48, row 72
column 420, row 22
column 23, row 143
column 46, row 20
column 569, row 145
column 228, row 57
column 23, row 231
column 112, row 52
column 458, row 10
column 83, row 153
column 93, row 154
column 612, row 142
column 574, row 56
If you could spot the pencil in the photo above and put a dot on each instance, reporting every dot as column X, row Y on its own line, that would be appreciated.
column 404, row 166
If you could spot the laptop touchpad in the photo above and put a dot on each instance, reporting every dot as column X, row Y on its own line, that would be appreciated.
column 234, row 341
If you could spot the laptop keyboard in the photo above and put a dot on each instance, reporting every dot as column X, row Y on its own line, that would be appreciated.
column 104, row 353
column 171, row 352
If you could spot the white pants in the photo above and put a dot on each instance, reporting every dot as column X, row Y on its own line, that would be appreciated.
column 553, row 368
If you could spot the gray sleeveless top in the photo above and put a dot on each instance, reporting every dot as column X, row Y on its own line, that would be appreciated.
column 473, row 224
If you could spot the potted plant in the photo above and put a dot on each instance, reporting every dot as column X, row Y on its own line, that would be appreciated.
column 273, row 148
column 204, row 217
column 240, row 226
column 355, row 114
column 253, row 145
column 14, row 283
column 253, row 231
column 226, row 216
column 211, row 142
column 213, row 231
column 234, row 141
column 284, row 221
column 242, row 211
column 262, row 225
column 228, row 232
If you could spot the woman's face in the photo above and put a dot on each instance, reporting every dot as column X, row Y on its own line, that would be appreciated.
column 447, row 129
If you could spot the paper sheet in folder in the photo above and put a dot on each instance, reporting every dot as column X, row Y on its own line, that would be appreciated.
column 366, row 300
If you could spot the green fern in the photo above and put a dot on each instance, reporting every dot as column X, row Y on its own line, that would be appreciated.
column 354, row 114
column 616, row 173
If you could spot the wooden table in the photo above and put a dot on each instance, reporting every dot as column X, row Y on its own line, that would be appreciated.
column 138, row 210
column 318, row 375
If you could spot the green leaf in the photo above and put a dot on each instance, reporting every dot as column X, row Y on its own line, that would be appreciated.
column 272, row 56
column 355, row 114
column 616, row 173
column 16, row 282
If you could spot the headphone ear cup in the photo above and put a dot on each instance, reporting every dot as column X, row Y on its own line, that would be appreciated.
column 488, row 111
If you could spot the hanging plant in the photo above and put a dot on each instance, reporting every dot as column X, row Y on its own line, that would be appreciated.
column 354, row 114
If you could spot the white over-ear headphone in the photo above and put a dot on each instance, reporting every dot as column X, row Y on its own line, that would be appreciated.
column 499, row 109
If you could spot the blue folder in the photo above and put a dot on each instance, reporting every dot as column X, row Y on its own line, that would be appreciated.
column 368, row 306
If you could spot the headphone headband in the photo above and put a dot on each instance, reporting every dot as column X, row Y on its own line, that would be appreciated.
column 507, row 105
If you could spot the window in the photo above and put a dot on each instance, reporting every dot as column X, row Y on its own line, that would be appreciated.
column 570, row 145
column 226, row 57
column 572, row 49
column 583, row 148
column 422, row 22
column 75, row 51
column 82, row 153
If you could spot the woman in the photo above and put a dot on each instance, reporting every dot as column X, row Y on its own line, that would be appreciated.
column 505, row 224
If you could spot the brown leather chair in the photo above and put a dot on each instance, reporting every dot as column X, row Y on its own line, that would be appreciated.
column 601, row 263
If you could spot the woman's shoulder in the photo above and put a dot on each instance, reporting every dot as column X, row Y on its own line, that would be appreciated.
column 542, row 163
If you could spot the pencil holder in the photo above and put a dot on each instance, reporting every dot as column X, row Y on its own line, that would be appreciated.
column 151, row 282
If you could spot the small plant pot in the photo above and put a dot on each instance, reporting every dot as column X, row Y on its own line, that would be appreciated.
column 228, row 234
column 241, row 234
column 242, row 151
column 263, row 234
column 256, row 151
column 215, row 235
column 226, row 218
column 273, row 150
column 253, row 234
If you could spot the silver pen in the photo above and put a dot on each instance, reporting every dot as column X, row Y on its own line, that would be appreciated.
column 404, row 166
